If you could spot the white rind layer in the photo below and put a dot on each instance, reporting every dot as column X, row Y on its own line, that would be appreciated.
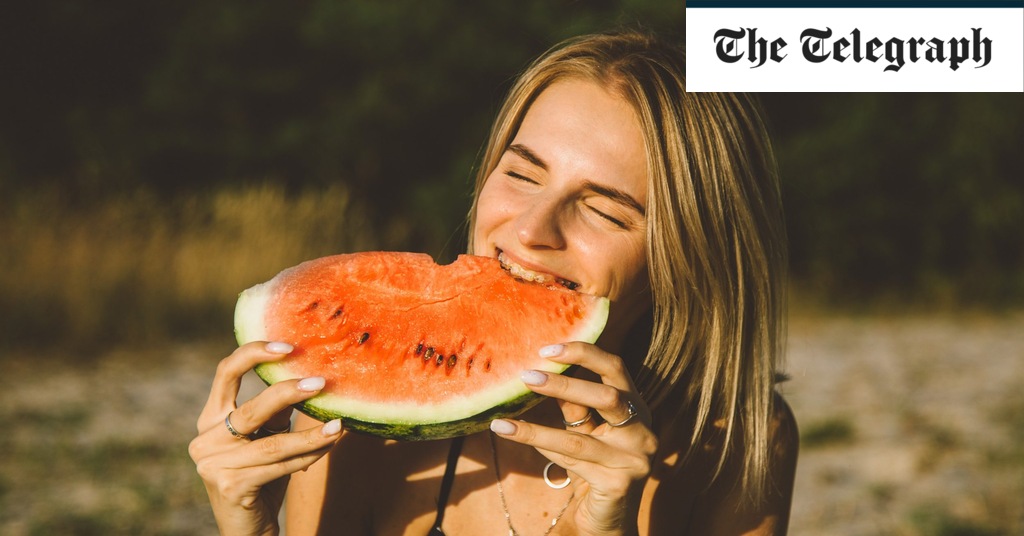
column 250, row 311
column 249, row 326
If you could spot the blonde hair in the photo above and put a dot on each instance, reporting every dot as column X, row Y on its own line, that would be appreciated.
column 716, row 247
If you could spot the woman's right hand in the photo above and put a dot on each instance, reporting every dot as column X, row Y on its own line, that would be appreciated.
column 246, row 475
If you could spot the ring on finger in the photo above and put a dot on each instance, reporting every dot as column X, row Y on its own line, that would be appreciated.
column 631, row 412
column 267, row 432
column 580, row 422
column 235, row 433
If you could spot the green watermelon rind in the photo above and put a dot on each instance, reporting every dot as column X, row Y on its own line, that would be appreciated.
column 392, row 421
column 419, row 431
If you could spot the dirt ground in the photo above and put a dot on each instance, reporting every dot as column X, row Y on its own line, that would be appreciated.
column 910, row 425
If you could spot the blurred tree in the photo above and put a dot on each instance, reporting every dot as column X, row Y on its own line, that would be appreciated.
column 905, row 195
column 910, row 194
column 394, row 98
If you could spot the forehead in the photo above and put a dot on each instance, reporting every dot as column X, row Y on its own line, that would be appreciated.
column 580, row 128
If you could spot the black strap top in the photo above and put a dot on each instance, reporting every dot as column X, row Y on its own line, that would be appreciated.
column 454, row 451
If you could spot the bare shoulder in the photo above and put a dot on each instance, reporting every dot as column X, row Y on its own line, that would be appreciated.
column 785, row 433
column 730, row 511
column 709, row 500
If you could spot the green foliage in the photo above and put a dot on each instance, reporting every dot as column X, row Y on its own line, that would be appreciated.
column 910, row 195
column 390, row 97
column 830, row 431
column 936, row 520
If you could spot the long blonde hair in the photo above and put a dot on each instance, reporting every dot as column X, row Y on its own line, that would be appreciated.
column 716, row 247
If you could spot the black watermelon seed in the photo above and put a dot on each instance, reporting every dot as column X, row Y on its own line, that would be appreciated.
column 440, row 360
column 469, row 363
column 313, row 305
column 419, row 348
column 363, row 337
column 337, row 313
column 487, row 365
column 452, row 361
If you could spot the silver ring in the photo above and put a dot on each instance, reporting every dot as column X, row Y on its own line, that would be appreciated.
column 631, row 410
column 236, row 433
column 266, row 432
column 580, row 422
column 551, row 484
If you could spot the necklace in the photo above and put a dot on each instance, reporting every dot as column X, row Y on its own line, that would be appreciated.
column 504, row 505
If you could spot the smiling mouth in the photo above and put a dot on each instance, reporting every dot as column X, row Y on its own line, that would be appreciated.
column 530, row 275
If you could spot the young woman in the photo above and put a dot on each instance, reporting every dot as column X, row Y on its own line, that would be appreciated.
column 602, row 171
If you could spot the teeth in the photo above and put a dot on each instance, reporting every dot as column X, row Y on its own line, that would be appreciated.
column 530, row 275
column 521, row 272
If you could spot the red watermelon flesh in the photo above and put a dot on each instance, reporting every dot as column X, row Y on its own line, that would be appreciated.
column 412, row 349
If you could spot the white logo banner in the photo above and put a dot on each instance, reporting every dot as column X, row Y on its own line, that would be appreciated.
column 855, row 49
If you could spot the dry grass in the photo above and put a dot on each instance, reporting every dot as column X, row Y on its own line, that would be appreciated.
column 137, row 266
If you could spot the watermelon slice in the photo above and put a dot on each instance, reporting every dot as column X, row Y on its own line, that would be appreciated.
column 410, row 349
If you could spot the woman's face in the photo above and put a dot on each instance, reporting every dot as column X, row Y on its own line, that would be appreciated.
column 568, row 198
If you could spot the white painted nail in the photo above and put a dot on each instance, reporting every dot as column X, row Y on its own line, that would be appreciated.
column 552, row 350
column 533, row 377
column 331, row 428
column 314, row 383
column 279, row 347
column 503, row 427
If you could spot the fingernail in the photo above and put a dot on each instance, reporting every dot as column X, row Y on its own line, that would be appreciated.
column 503, row 427
column 314, row 383
column 279, row 347
column 533, row 377
column 552, row 350
column 331, row 428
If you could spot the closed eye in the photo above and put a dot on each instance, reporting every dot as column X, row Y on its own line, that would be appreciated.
column 519, row 177
column 618, row 223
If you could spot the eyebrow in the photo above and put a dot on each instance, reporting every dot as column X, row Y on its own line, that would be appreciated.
column 525, row 153
column 614, row 194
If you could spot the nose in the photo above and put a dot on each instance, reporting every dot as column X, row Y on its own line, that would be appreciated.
column 540, row 226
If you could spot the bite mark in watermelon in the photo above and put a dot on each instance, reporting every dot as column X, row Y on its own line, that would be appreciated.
column 411, row 349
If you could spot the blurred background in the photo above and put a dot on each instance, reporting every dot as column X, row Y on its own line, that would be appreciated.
column 157, row 158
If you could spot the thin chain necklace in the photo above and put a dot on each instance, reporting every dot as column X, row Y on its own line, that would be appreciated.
column 504, row 506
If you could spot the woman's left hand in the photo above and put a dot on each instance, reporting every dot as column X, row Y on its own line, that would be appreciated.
column 612, row 456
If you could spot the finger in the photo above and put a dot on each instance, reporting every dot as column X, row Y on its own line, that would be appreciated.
column 602, row 465
column 278, row 424
column 230, row 470
column 572, row 446
column 273, row 401
column 576, row 417
column 261, row 475
column 614, row 405
column 609, row 367
column 277, row 449
column 228, row 377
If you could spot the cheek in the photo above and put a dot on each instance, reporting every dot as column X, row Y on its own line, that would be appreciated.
column 621, row 268
column 489, row 210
